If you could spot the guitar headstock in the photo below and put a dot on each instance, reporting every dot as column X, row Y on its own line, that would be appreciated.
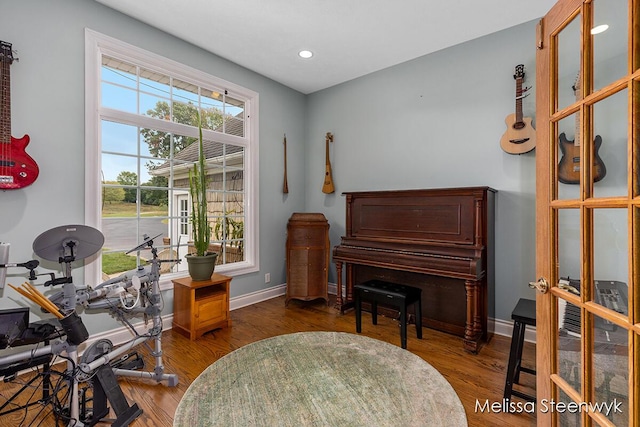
column 6, row 54
column 519, row 72
column 329, row 137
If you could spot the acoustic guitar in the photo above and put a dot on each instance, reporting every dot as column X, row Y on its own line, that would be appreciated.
column 17, row 168
column 327, row 187
column 569, row 165
column 520, row 136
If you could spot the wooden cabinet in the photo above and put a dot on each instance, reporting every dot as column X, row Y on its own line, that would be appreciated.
column 307, row 257
column 200, row 306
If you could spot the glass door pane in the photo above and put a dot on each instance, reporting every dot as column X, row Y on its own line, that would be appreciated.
column 611, row 246
column 569, row 344
column 568, row 42
column 569, row 157
column 609, row 35
column 610, row 144
column 611, row 371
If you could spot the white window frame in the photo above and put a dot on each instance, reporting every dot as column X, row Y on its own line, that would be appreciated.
column 96, row 45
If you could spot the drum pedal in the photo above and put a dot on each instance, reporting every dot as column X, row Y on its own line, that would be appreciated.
column 106, row 389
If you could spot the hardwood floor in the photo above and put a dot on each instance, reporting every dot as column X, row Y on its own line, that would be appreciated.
column 475, row 378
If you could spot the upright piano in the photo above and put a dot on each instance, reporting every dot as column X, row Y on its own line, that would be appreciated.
column 440, row 240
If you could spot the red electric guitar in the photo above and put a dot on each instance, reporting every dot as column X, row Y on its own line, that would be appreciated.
column 17, row 168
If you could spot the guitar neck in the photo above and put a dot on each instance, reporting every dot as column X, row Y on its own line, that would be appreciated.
column 285, row 154
column 519, row 96
column 5, row 108
column 285, row 185
column 326, row 150
column 576, row 91
column 327, row 139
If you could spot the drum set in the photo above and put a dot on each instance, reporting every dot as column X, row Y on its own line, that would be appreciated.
column 91, row 378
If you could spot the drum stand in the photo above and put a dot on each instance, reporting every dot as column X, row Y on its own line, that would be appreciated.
column 140, row 279
column 79, row 242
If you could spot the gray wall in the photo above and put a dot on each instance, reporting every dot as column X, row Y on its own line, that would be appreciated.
column 432, row 122
column 48, row 104
column 435, row 122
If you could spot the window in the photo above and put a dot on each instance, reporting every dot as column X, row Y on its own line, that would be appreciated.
column 142, row 121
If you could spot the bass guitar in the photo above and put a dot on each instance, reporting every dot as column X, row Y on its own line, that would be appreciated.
column 17, row 168
column 520, row 136
column 569, row 165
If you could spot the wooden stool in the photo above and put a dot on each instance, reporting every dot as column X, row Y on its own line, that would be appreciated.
column 397, row 296
column 524, row 314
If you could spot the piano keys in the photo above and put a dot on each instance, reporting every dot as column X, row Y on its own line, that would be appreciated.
column 607, row 337
column 440, row 240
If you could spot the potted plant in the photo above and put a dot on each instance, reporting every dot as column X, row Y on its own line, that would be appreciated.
column 201, row 263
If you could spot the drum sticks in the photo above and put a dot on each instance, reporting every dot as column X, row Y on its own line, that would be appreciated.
column 28, row 291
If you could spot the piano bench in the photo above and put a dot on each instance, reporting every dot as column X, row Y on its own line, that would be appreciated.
column 389, row 294
column 523, row 314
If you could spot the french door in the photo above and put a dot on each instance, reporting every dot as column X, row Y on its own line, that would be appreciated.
column 588, row 214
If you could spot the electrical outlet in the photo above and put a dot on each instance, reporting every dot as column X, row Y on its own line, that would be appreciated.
column 267, row 277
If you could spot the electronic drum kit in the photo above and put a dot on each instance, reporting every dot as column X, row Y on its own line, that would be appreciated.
column 133, row 293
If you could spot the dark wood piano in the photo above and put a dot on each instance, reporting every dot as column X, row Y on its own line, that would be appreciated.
column 440, row 240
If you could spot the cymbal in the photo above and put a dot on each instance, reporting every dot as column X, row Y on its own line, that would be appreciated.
column 59, row 242
column 143, row 244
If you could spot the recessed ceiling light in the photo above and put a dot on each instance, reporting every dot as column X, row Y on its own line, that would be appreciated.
column 306, row 54
column 599, row 29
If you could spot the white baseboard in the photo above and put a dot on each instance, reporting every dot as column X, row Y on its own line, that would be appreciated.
column 257, row 296
column 265, row 294
column 505, row 327
column 332, row 288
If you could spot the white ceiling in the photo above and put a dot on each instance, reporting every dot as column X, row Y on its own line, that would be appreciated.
column 350, row 38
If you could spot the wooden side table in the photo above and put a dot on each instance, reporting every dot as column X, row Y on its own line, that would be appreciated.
column 200, row 306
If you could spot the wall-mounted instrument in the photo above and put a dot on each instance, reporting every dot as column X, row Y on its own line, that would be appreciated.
column 17, row 168
column 520, row 136
column 285, row 186
column 569, row 165
column 327, row 187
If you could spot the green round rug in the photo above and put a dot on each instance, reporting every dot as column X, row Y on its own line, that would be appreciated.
column 320, row 379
